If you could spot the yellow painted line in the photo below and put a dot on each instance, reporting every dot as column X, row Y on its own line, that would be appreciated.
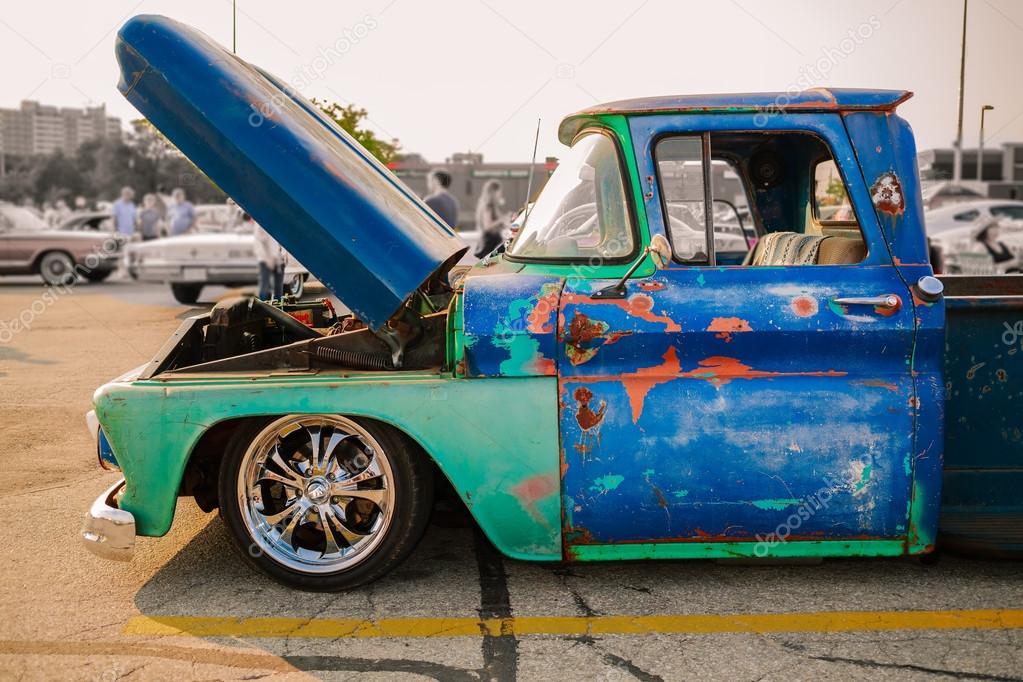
column 333, row 628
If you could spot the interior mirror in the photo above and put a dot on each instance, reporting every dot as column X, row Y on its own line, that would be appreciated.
column 660, row 251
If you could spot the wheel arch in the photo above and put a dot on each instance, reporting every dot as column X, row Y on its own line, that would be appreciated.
column 202, row 468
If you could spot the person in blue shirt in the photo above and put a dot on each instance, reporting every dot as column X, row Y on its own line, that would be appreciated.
column 125, row 213
column 440, row 199
column 181, row 214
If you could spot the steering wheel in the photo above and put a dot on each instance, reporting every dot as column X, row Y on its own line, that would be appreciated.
column 571, row 215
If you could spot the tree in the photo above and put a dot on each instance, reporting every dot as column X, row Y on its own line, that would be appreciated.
column 349, row 117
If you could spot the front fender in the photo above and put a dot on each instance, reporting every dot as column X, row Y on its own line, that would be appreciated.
column 496, row 440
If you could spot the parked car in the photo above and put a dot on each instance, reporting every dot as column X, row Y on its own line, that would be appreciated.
column 960, row 215
column 952, row 231
column 587, row 394
column 190, row 262
column 29, row 246
column 938, row 193
column 100, row 221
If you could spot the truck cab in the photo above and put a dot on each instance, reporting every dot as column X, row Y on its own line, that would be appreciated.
column 716, row 334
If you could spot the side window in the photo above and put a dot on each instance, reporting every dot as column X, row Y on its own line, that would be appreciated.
column 1009, row 211
column 681, row 172
column 967, row 216
column 771, row 199
column 831, row 200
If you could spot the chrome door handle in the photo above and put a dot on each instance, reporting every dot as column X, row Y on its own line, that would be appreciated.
column 886, row 301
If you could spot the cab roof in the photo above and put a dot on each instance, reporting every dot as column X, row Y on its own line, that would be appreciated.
column 813, row 100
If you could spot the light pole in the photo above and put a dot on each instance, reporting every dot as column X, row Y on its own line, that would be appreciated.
column 957, row 163
column 980, row 147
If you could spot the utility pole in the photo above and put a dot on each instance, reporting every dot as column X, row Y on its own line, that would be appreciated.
column 957, row 164
column 980, row 147
column 234, row 31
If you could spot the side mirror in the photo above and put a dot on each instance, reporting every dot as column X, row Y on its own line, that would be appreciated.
column 660, row 251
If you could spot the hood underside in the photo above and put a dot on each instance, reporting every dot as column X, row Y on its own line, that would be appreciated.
column 339, row 211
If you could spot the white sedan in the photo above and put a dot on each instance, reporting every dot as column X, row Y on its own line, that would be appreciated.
column 191, row 261
column 952, row 229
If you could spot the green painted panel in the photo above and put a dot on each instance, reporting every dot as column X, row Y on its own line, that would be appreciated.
column 733, row 550
column 495, row 439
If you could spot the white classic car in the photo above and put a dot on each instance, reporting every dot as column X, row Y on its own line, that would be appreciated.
column 952, row 230
column 191, row 261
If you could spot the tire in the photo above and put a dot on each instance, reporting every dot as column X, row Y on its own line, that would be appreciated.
column 186, row 293
column 56, row 268
column 98, row 275
column 296, row 286
column 272, row 495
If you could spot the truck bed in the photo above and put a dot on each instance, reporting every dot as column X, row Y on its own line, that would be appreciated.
column 982, row 499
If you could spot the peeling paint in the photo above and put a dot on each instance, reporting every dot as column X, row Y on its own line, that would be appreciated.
column 804, row 306
column 607, row 483
column 726, row 326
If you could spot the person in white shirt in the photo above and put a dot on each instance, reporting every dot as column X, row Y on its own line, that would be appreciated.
column 272, row 258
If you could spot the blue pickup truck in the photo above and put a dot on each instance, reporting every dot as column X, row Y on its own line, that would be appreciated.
column 716, row 334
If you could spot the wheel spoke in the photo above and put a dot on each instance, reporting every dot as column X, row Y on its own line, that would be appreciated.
column 315, row 440
column 276, row 458
column 270, row 477
column 286, row 536
column 375, row 496
column 274, row 519
column 336, row 439
column 326, row 515
column 371, row 471
column 350, row 535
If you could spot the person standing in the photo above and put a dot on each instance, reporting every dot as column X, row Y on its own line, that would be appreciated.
column 491, row 219
column 125, row 213
column 272, row 258
column 181, row 215
column 149, row 218
column 440, row 199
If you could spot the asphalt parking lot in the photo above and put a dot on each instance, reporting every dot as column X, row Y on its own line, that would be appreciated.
column 187, row 608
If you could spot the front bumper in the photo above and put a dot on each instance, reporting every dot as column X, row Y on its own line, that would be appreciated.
column 109, row 532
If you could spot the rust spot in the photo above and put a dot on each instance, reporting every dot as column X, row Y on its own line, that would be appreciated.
column 887, row 194
column 661, row 501
column 804, row 306
column 582, row 331
column 1001, row 375
column 878, row 383
column 585, row 416
column 637, row 305
column 885, row 311
column 726, row 326
column 535, row 488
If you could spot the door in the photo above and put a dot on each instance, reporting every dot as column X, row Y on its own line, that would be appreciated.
column 750, row 409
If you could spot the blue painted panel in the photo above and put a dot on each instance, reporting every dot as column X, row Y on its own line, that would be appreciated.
column 717, row 402
column 886, row 153
column 726, row 402
column 510, row 324
column 335, row 208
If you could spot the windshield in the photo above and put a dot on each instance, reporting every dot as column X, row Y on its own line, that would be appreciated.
column 581, row 212
column 18, row 218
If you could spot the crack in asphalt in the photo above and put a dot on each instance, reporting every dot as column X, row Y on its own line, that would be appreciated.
column 957, row 674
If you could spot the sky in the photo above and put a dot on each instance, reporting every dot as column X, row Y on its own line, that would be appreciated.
column 476, row 75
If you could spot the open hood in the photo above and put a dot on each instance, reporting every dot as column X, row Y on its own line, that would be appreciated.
column 338, row 210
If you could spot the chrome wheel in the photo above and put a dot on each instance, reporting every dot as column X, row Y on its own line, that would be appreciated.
column 315, row 493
